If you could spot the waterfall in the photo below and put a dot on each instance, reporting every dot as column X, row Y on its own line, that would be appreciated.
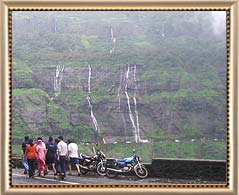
column 104, row 140
column 119, row 100
column 119, row 90
column 162, row 31
column 57, row 80
column 135, row 104
column 134, row 119
column 95, row 123
column 128, row 103
column 93, row 118
column 135, row 107
column 112, row 33
column 89, row 77
column 113, row 40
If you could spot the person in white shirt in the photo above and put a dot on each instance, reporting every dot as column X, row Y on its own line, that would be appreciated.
column 61, row 156
column 73, row 156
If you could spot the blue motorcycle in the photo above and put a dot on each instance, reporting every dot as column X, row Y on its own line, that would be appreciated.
column 115, row 167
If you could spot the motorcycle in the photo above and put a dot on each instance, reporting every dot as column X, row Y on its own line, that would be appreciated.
column 126, row 165
column 93, row 163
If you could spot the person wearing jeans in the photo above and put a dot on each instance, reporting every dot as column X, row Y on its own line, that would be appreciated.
column 57, row 165
column 24, row 159
column 61, row 156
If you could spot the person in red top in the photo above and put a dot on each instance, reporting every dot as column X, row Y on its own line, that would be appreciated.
column 31, row 155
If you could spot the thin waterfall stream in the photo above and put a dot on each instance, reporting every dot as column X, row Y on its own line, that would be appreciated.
column 135, row 106
column 57, row 79
column 93, row 118
column 128, row 103
column 133, row 118
column 89, row 78
column 113, row 40
column 94, row 121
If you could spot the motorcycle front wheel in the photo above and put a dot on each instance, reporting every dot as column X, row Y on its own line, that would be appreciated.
column 141, row 171
column 101, row 169
column 111, row 174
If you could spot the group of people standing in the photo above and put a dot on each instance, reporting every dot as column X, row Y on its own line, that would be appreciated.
column 53, row 153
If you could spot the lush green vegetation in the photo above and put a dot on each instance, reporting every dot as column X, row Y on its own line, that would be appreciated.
column 73, row 97
column 29, row 92
column 191, row 150
column 19, row 127
column 57, row 114
column 145, row 151
column 214, row 150
column 100, row 94
column 22, row 73
column 187, row 133
column 85, row 133
column 181, row 76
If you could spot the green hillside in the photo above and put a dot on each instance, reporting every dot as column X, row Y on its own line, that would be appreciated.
column 177, row 74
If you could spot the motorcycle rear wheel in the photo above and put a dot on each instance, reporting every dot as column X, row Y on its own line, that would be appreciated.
column 111, row 174
column 141, row 171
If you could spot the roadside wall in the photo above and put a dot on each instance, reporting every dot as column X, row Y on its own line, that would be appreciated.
column 206, row 170
column 209, row 170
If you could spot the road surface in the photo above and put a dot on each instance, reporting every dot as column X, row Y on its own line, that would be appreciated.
column 92, row 178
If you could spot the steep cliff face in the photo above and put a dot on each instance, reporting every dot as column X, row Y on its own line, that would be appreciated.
column 162, row 77
column 183, row 116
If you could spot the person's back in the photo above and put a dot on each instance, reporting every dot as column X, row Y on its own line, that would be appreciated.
column 41, row 152
column 61, row 156
column 51, row 155
column 62, row 148
column 24, row 145
column 51, row 150
column 31, row 155
column 31, row 151
column 73, row 150
column 41, row 148
column 74, row 157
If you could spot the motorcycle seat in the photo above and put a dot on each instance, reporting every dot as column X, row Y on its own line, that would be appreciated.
column 85, row 156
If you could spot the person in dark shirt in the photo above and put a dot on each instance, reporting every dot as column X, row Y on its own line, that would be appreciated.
column 57, row 165
column 24, row 159
column 51, row 154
